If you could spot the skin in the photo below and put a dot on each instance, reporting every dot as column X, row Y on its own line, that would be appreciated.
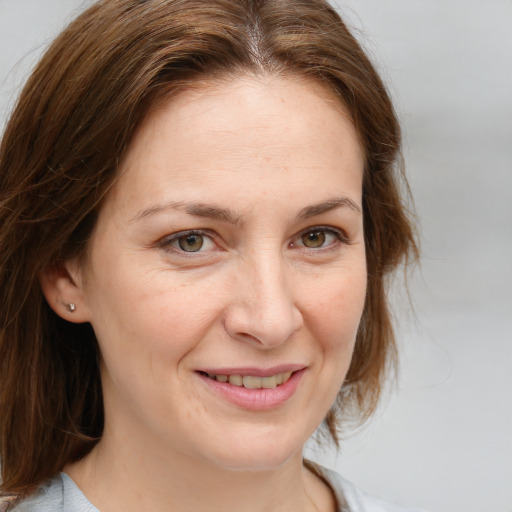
column 267, row 149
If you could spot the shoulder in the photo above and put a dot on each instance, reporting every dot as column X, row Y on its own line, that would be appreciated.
column 59, row 494
column 353, row 499
column 49, row 497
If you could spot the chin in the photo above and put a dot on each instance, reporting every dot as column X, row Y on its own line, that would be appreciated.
column 255, row 462
column 249, row 453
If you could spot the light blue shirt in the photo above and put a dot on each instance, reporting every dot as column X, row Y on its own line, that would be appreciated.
column 60, row 494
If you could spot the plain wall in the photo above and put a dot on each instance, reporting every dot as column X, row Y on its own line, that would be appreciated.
column 443, row 440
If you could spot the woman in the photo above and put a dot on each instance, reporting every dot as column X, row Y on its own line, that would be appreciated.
column 199, row 209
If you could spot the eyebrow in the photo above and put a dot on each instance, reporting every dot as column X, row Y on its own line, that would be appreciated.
column 327, row 206
column 224, row 214
column 197, row 209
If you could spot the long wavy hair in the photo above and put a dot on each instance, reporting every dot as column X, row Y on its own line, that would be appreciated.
column 59, row 157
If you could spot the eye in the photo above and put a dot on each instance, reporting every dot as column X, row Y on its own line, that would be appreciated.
column 189, row 242
column 319, row 238
column 314, row 239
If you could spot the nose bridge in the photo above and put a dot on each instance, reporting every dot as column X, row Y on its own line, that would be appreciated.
column 271, row 288
column 265, row 309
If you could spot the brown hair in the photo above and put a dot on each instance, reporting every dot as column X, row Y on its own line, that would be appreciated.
column 59, row 156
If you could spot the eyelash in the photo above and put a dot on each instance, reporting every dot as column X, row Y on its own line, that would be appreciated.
column 167, row 242
column 337, row 233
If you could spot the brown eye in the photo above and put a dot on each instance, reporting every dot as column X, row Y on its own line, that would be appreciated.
column 190, row 243
column 313, row 239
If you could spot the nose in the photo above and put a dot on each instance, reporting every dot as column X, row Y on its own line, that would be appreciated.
column 263, row 309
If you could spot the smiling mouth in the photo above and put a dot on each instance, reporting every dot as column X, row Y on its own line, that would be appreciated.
column 252, row 381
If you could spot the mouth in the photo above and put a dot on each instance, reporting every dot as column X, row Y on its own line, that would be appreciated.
column 252, row 388
column 252, row 381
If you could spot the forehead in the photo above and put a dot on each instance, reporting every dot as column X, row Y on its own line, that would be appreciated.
column 273, row 128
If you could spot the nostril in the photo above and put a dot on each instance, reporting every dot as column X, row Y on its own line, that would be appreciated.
column 268, row 324
column 247, row 336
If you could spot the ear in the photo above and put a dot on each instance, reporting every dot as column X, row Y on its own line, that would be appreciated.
column 62, row 287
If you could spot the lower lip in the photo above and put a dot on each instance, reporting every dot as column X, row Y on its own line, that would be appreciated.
column 255, row 399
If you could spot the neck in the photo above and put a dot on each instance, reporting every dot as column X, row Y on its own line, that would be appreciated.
column 125, row 476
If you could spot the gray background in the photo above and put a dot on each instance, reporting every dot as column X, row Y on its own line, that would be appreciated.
column 443, row 439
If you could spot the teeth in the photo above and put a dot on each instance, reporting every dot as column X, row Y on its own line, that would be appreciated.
column 235, row 380
column 269, row 382
column 253, row 382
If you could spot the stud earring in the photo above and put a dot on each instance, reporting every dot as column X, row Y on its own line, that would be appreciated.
column 71, row 307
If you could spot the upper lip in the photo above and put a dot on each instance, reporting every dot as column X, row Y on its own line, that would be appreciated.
column 254, row 371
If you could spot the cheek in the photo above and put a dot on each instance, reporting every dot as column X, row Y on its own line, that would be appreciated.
column 334, row 314
column 156, row 317
column 334, row 309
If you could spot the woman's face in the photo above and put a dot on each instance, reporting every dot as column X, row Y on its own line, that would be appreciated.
column 226, row 275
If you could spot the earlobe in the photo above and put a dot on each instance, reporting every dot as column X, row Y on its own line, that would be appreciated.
column 63, row 289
